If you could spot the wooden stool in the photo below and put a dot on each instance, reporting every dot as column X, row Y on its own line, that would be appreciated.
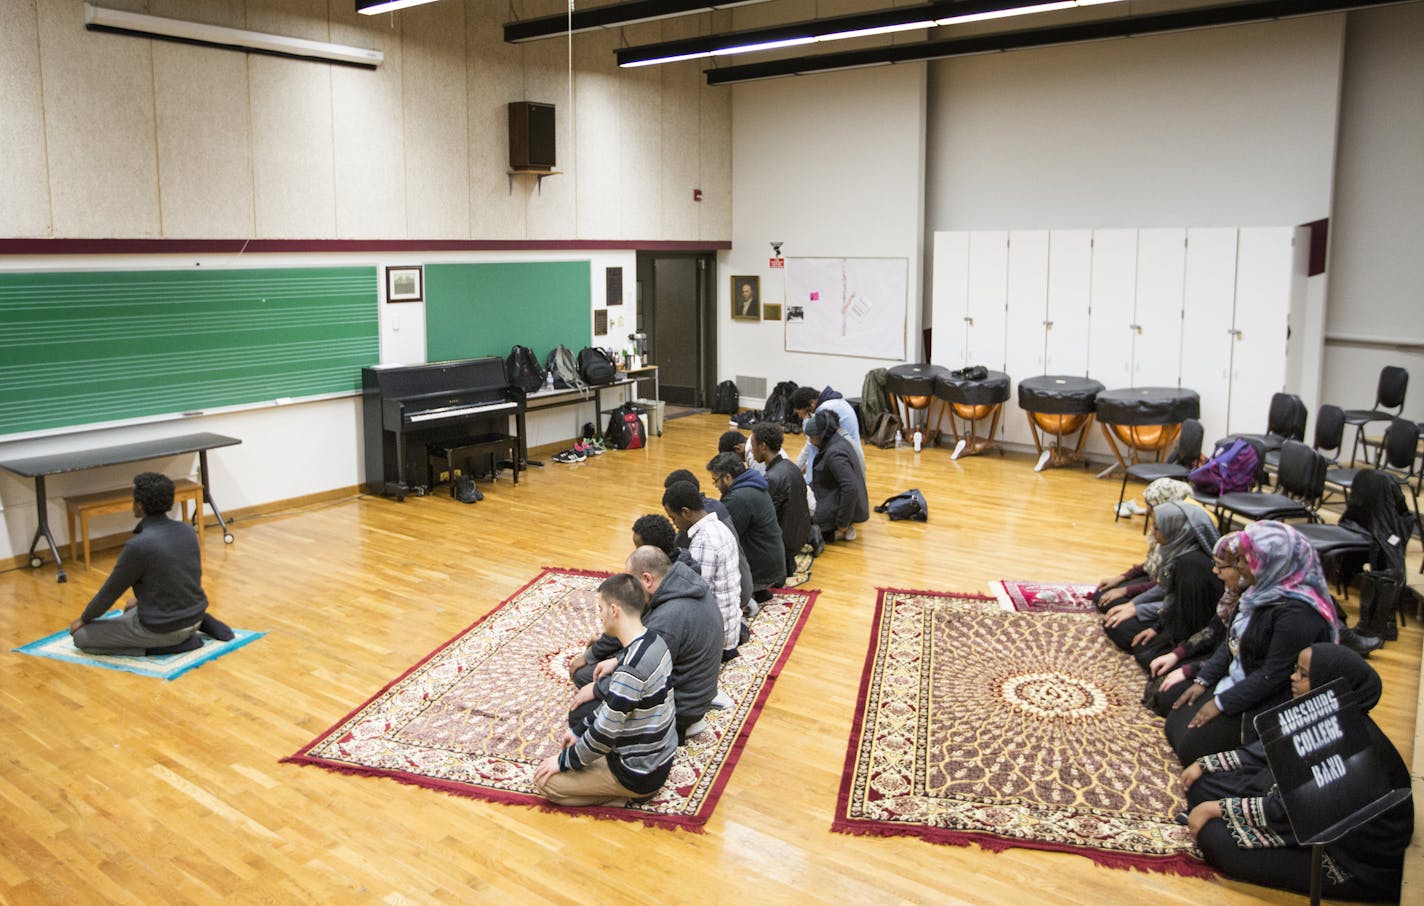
column 101, row 503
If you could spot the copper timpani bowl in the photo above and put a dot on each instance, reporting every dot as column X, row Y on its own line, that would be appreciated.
column 1059, row 425
column 1149, row 438
column 916, row 402
column 972, row 412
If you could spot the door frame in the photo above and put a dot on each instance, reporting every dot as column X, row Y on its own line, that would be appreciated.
column 706, row 295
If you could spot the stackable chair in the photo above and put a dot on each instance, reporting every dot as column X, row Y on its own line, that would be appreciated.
column 1300, row 482
column 1355, row 544
column 1329, row 435
column 1393, row 382
column 1285, row 421
column 1177, row 465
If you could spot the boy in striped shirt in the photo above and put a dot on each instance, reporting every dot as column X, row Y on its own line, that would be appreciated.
column 625, row 748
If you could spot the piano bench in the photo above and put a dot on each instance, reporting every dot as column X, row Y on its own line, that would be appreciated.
column 466, row 447
column 83, row 507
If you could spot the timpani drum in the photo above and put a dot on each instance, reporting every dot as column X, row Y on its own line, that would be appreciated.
column 1144, row 420
column 1060, row 406
column 911, row 389
column 971, row 402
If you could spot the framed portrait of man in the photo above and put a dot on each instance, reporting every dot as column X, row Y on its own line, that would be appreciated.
column 746, row 298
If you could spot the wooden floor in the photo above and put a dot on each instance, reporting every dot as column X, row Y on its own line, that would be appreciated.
column 122, row 789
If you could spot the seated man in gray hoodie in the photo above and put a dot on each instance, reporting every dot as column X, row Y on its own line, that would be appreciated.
column 680, row 610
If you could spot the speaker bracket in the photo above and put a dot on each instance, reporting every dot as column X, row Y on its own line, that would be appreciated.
column 536, row 173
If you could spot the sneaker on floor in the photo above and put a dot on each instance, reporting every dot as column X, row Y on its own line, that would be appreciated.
column 722, row 701
column 569, row 456
column 1124, row 510
column 594, row 447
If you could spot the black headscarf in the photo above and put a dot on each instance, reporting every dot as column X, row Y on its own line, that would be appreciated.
column 1329, row 661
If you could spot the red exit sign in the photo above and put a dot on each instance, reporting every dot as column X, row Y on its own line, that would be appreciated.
column 778, row 262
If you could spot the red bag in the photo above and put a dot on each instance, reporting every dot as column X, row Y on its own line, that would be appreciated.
column 625, row 428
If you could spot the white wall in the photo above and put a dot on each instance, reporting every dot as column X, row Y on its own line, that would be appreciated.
column 831, row 166
column 1376, row 270
column 1223, row 127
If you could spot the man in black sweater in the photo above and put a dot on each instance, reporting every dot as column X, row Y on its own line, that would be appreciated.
column 163, row 566
column 787, row 488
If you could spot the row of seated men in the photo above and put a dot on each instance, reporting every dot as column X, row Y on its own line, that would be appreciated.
column 1229, row 626
column 694, row 580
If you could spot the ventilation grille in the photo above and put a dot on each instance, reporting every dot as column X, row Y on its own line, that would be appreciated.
column 753, row 387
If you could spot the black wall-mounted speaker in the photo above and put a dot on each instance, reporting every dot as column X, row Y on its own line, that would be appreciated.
column 531, row 136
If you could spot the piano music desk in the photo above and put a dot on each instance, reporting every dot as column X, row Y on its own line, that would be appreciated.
column 41, row 467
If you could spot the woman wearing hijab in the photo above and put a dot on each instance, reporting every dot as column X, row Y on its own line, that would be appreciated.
column 837, row 478
column 1142, row 577
column 1172, row 671
column 1286, row 606
column 1185, row 537
column 1240, row 823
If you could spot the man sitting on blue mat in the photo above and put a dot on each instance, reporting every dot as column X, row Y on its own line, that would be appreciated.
column 163, row 566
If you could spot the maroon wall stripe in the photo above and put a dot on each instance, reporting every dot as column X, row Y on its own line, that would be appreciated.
column 404, row 246
column 1319, row 242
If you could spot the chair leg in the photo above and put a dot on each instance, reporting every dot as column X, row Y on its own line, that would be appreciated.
column 1355, row 447
column 1121, row 495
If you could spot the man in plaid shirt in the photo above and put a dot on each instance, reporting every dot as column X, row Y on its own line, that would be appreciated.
column 714, row 545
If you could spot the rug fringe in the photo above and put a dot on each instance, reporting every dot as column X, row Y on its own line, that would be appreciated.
column 1184, row 866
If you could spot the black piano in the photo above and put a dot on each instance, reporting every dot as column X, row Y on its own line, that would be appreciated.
column 406, row 409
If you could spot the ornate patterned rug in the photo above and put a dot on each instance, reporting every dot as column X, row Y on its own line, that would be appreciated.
column 1044, row 597
column 478, row 714
column 978, row 725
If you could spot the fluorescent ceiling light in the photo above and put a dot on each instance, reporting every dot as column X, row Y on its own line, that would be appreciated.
column 611, row 15
column 113, row 20
column 838, row 28
column 372, row 7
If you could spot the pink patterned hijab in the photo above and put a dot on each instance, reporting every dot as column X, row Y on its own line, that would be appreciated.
column 1286, row 567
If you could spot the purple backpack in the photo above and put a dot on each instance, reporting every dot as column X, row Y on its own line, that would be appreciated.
column 1231, row 468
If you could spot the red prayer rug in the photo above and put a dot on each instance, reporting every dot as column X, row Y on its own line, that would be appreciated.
column 477, row 715
column 1044, row 597
column 1004, row 729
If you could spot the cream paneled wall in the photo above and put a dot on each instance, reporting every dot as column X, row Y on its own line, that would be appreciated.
column 116, row 136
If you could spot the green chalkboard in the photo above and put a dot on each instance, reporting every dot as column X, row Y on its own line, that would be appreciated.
column 84, row 347
column 484, row 309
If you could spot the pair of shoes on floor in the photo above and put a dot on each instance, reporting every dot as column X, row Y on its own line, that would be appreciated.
column 1130, row 508
column 569, row 456
column 589, row 447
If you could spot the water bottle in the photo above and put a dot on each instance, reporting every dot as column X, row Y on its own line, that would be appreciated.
column 549, row 379
column 919, row 439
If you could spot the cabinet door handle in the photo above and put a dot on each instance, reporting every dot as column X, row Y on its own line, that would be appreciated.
column 1137, row 328
column 969, row 321
column 1048, row 324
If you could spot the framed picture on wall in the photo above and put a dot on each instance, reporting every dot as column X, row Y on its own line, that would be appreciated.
column 746, row 298
column 405, row 284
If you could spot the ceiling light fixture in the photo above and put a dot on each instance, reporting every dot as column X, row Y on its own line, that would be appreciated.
column 1073, row 33
column 839, row 28
column 372, row 7
column 612, row 15
column 126, row 23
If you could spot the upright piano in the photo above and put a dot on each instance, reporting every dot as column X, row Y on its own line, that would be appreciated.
column 407, row 408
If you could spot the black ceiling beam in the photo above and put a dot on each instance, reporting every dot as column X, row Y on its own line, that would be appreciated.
column 1180, row 20
column 610, row 16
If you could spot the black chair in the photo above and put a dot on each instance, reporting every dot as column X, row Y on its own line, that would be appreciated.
column 1393, row 382
column 1329, row 435
column 1286, row 421
column 1178, row 465
column 1300, row 482
column 1335, row 545
column 1399, row 451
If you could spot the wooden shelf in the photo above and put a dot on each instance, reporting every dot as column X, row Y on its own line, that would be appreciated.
column 537, row 174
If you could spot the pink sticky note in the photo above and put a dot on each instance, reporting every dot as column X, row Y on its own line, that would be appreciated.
column 815, row 296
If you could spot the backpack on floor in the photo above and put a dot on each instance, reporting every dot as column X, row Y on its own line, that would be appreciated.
column 625, row 428
column 1232, row 468
column 595, row 366
column 906, row 505
column 522, row 369
column 886, row 430
column 566, row 375
column 778, row 407
column 726, row 399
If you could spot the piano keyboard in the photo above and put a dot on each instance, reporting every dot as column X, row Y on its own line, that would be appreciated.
column 459, row 412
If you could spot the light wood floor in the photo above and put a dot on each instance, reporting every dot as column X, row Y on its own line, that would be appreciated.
column 121, row 789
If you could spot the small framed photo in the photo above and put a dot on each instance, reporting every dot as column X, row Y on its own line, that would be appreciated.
column 771, row 311
column 405, row 284
column 746, row 298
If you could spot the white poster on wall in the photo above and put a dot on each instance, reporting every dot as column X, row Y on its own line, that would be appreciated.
column 847, row 306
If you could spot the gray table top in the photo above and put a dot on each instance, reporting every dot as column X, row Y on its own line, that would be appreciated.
column 118, row 454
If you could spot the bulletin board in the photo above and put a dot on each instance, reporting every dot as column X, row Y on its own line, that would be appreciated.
column 847, row 306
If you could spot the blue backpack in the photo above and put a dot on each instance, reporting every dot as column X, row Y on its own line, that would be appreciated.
column 1232, row 468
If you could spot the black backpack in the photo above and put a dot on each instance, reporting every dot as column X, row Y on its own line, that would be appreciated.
column 595, row 367
column 522, row 369
column 726, row 400
column 625, row 428
column 906, row 505
column 778, row 407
